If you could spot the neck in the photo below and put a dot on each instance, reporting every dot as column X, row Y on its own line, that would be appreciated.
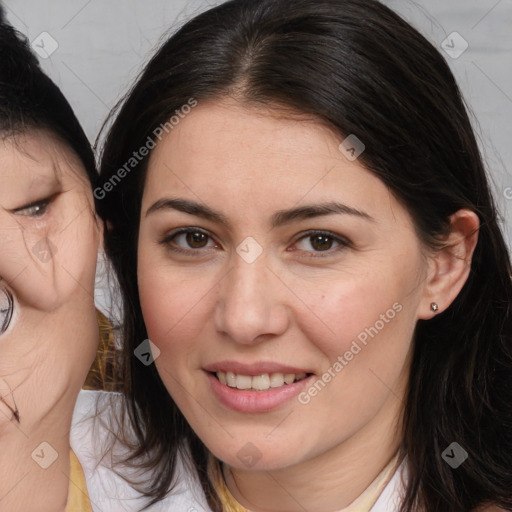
column 40, row 380
column 328, row 482
column 29, row 479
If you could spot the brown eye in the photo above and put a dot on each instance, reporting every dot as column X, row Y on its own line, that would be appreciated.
column 6, row 309
column 321, row 242
column 196, row 240
column 189, row 239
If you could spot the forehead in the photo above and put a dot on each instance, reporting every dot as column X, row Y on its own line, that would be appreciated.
column 33, row 160
column 227, row 130
column 223, row 150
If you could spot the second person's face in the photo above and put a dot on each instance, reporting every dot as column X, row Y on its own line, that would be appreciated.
column 49, row 240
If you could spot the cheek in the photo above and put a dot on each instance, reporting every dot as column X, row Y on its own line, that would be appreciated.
column 76, row 254
column 361, row 309
column 174, row 308
column 47, row 264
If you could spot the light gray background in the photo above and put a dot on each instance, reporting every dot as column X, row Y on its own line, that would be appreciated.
column 103, row 44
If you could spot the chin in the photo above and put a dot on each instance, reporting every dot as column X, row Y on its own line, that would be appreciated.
column 257, row 456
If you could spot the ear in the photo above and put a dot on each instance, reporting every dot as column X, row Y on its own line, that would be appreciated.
column 450, row 265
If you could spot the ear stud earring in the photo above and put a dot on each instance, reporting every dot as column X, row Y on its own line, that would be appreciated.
column 434, row 307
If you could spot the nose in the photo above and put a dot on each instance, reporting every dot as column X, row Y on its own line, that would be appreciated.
column 251, row 306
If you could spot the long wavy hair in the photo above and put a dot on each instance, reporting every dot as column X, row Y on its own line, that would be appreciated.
column 361, row 69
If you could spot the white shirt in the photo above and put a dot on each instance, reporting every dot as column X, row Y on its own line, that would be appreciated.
column 109, row 492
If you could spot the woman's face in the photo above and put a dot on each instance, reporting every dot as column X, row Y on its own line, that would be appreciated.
column 49, row 241
column 281, row 283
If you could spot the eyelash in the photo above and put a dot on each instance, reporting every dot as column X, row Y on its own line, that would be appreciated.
column 40, row 207
column 168, row 239
column 342, row 242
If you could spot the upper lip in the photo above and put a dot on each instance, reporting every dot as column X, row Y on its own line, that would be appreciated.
column 253, row 369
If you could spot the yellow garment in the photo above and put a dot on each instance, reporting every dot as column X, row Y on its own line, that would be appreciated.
column 78, row 498
column 363, row 503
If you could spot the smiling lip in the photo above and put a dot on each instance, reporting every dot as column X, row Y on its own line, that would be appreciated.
column 254, row 368
column 249, row 400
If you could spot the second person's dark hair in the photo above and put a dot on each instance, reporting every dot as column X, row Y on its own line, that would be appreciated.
column 29, row 99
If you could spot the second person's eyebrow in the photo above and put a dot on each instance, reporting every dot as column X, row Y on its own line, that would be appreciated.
column 279, row 218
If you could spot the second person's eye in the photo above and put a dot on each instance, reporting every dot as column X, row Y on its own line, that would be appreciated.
column 35, row 209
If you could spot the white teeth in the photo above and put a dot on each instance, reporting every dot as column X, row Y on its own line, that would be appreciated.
column 261, row 382
column 243, row 382
column 289, row 378
column 231, row 379
column 276, row 380
column 258, row 382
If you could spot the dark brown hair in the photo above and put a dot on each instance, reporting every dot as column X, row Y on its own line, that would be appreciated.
column 30, row 100
column 361, row 69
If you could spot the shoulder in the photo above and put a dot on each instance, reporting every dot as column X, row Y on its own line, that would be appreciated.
column 94, row 439
column 89, row 400
column 392, row 495
column 92, row 426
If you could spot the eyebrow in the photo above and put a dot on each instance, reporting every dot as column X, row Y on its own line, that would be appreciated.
column 279, row 218
column 283, row 217
column 187, row 206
